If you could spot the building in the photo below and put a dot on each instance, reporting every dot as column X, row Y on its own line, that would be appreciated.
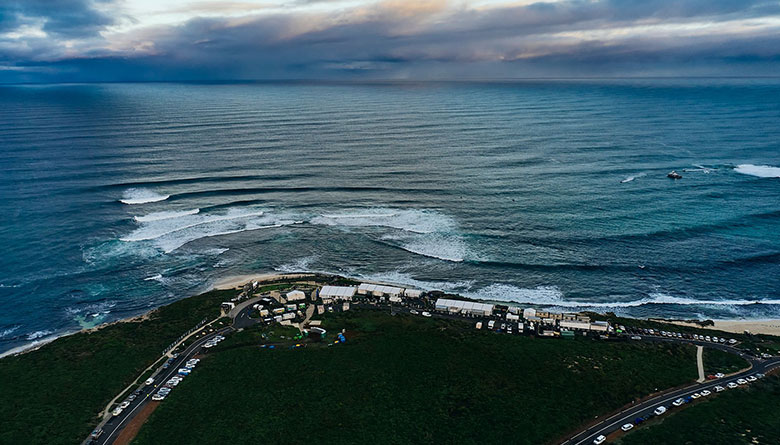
column 379, row 290
column 512, row 317
column 413, row 293
column 529, row 312
column 464, row 307
column 330, row 293
column 600, row 326
column 575, row 325
column 296, row 295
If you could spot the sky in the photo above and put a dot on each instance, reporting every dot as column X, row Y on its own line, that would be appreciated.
column 208, row 40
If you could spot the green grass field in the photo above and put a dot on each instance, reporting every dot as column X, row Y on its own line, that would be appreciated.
column 409, row 379
column 53, row 395
column 743, row 416
column 716, row 361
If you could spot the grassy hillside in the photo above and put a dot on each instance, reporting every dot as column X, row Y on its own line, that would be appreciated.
column 409, row 379
column 744, row 416
column 716, row 361
column 53, row 395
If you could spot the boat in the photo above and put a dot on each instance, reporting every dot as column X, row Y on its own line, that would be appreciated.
column 674, row 175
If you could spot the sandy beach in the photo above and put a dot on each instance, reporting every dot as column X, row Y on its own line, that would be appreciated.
column 771, row 327
column 234, row 281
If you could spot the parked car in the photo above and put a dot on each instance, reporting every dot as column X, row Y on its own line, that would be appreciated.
column 157, row 397
column 124, row 404
column 742, row 382
column 732, row 385
column 705, row 393
column 720, row 375
column 627, row 426
column 751, row 379
column 413, row 312
column 599, row 440
column 695, row 395
column 426, row 314
column 117, row 411
column 678, row 402
column 719, row 389
column 660, row 410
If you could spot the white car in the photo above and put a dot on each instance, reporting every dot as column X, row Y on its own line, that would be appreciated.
column 695, row 395
column 117, row 411
column 413, row 312
column 719, row 388
column 627, row 426
column 149, row 381
column 732, row 385
column 599, row 440
column 124, row 404
column 751, row 379
column 705, row 393
column 720, row 375
column 426, row 314
column 157, row 397
column 660, row 410
column 678, row 402
column 707, row 337
column 741, row 382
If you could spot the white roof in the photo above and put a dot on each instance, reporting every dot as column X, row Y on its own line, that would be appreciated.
column 465, row 305
column 337, row 291
column 380, row 288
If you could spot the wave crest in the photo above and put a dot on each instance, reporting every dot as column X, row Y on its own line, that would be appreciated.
column 135, row 196
column 761, row 171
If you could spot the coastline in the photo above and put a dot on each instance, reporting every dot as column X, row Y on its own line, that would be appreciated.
column 770, row 327
column 759, row 326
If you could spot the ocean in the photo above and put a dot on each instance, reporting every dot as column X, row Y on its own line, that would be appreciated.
column 117, row 198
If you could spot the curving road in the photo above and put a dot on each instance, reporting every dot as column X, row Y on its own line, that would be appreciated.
column 614, row 422
column 115, row 424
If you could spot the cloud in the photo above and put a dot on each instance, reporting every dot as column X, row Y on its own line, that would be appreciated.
column 408, row 38
column 63, row 18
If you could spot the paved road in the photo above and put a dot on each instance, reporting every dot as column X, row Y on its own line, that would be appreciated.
column 114, row 426
column 647, row 407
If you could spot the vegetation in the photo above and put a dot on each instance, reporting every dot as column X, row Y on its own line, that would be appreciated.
column 744, row 416
column 716, row 361
column 407, row 379
column 53, row 395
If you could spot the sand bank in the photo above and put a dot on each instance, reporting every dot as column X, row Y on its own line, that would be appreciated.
column 234, row 281
column 771, row 327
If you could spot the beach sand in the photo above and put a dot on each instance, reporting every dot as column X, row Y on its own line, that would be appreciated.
column 232, row 282
column 771, row 327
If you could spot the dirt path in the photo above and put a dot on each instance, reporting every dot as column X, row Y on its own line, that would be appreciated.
column 129, row 432
column 700, row 362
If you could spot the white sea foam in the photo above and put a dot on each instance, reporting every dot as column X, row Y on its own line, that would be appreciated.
column 6, row 332
column 443, row 247
column 406, row 279
column 157, row 277
column 631, row 178
column 552, row 296
column 38, row 334
column 299, row 265
column 156, row 216
column 409, row 220
column 154, row 231
column 141, row 196
column 762, row 171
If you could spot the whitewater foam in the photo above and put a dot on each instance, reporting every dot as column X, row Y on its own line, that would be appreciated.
column 761, row 171
column 157, row 277
column 443, row 247
column 38, row 334
column 135, row 196
column 8, row 331
column 409, row 220
column 157, row 216
column 631, row 178
column 150, row 232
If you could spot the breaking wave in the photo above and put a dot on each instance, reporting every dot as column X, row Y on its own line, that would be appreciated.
column 141, row 196
column 761, row 171
column 38, row 334
column 552, row 296
column 8, row 331
column 156, row 216
column 631, row 178
column 410, row 220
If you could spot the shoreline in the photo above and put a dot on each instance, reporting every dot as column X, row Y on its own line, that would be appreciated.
column 736, row 326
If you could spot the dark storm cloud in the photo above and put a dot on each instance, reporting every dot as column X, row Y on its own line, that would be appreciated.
column 408, row 38
column 67, row 18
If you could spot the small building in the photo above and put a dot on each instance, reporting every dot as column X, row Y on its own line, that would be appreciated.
column 413, row 293
column 263, row 312
column 512, row 317
column 529, row 312
column 479, row 325
column 279, row 310
column 288, row 316
column 329, row 293
column 345, row 306
column 575, row 325
column 295, row 295
column 567, row 334
column 599, row 326
column 290, row 307
column 320, row 309
column 228, row 306
column 395, row 299
column 379, row 290
column 464, row 307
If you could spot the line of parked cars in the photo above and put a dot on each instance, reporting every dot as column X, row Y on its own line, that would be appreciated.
column 213, row 341
column 660, row 410
column 174, row 381
column 680, row 335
